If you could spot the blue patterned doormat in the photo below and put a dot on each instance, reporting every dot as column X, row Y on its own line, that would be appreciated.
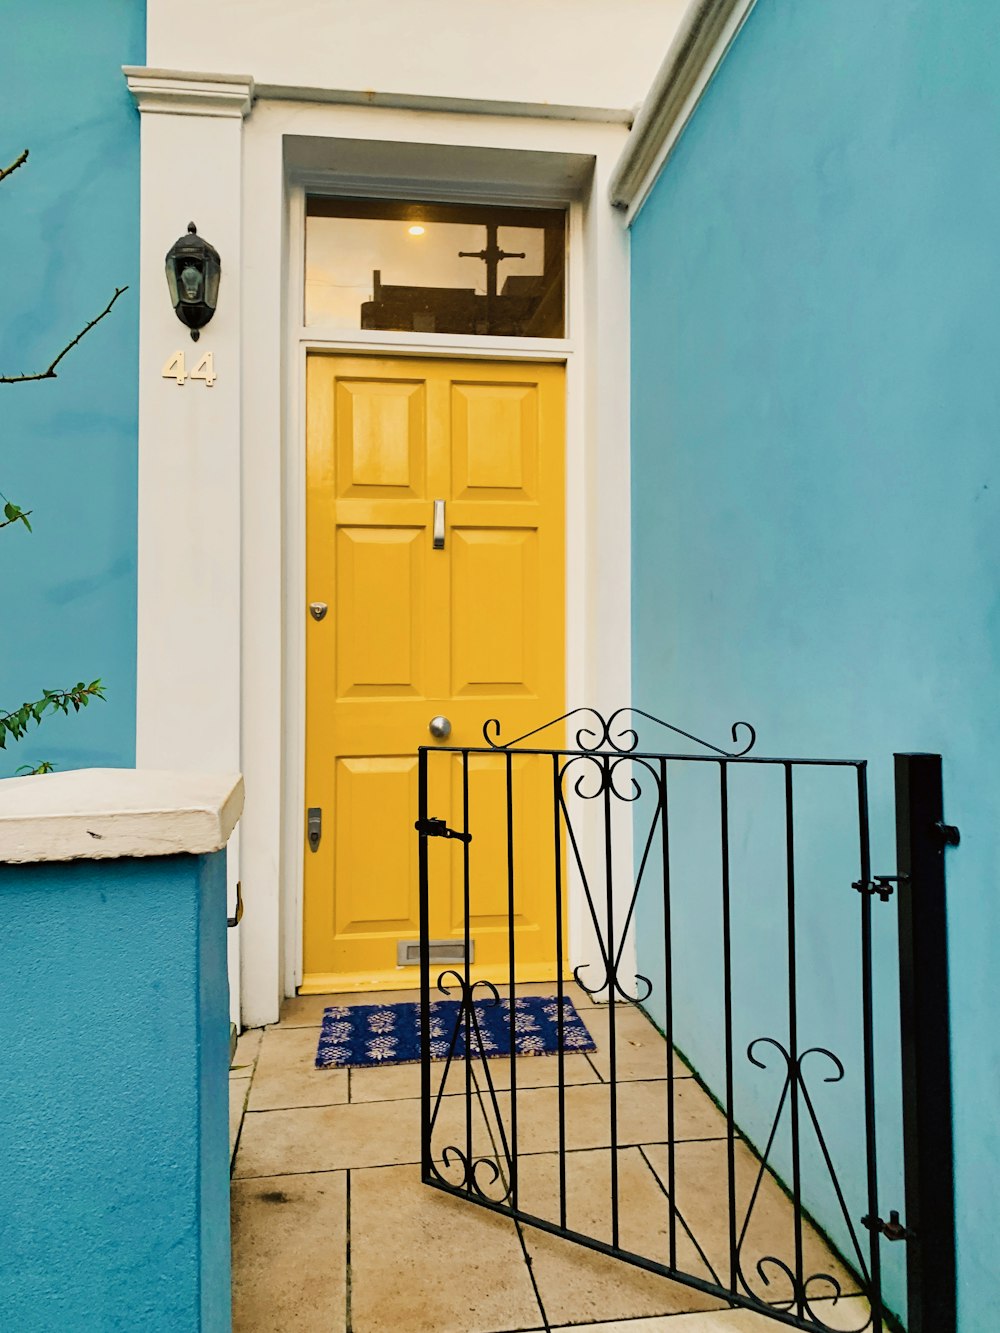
column 363, row 1035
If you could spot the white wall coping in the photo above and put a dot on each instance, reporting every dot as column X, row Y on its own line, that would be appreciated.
column 700, row 45
column 100, row 813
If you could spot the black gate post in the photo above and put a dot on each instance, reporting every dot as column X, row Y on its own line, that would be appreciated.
column 921, row 837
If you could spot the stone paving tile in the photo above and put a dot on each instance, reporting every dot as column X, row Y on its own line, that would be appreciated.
column 575, row 1283
column 640, row 1051
column 239, row 1088
column 849, row 1314
column 642, row 1115
column 286, row 1073
column 454, row 1268
column 701, row 1178
column 290, row 1254
column 643, row 1208
column 303, row 1011
column 333, row 1138
column 245, row 1056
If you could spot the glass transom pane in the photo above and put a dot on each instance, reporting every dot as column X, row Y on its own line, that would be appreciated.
column 435, row 268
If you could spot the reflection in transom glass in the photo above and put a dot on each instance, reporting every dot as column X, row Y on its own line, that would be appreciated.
column 435, row 268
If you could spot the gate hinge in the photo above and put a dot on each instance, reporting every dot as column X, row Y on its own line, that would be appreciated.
column 437, row 828
column 891, row 1230
column 881, row 884
column 948, row 833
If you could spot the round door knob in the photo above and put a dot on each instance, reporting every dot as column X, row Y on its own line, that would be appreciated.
column 439, row 727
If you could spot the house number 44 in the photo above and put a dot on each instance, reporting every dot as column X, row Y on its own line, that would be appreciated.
column 174, row 369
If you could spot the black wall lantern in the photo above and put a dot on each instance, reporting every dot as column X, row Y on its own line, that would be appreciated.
column 193, row 272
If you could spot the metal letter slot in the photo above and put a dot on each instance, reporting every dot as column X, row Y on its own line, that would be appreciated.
column 314, row 826
column 438, row 525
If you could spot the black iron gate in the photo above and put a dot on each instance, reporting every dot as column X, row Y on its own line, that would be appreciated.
column 736, row 889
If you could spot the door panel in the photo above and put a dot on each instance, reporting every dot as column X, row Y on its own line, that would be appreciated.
column 495, row 440
column 375, row 875
column 471, row 631
column 380, row 594
column 380, row 438
column 494, row 611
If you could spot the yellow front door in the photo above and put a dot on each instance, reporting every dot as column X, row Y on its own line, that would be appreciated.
column 468, row 629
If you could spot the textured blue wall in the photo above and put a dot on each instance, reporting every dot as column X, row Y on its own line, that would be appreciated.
column 70, row 236
column 815, row 496
column 114, row 1032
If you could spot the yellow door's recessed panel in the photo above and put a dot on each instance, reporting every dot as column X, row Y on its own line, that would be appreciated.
column 472, row 630
column 379, row 594
column 495, row 432
column 380, row 437
column 494, row 611
column 376, row 854
column 530, row 852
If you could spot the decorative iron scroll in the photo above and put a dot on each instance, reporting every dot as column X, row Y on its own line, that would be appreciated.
column 453, row 1155
column 603, row 734
column 802, row 1286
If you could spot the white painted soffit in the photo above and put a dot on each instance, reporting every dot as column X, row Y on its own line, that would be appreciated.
column 706, row 33
column 100, row 813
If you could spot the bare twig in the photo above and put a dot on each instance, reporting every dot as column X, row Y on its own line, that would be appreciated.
column 50, row 374
column 18, row 162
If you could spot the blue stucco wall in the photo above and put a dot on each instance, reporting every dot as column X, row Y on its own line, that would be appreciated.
column 816, row 409
column 114, row 1030
column 70, row 236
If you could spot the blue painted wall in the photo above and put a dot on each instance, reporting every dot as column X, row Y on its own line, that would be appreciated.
column 114, row 1045
column 70, row 236
column 816, row 478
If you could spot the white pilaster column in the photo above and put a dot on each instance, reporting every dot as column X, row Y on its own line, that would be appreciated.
column 188, row 687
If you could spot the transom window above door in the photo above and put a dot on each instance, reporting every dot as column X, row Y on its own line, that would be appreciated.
column 435, row 268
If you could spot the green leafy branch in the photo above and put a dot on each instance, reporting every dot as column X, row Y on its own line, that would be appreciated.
column 14, row 725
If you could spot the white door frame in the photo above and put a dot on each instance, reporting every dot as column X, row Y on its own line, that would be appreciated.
column 250, row 185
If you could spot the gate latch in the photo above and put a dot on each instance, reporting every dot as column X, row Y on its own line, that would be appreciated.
column 237, row 916
column 881, row 885
column 891, row 1230
column 437, row 828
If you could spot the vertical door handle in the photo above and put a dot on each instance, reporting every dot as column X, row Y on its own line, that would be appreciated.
column 438, row 525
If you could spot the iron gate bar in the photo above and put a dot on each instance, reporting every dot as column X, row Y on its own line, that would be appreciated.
column 606, row 753
column 867, row 1010
column 921, row 837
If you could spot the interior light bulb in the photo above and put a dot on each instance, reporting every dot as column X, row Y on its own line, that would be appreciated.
column 190, row 282
column 416, row 229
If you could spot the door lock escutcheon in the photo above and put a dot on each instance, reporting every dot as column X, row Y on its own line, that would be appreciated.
column 317, row 610
column 314, row 826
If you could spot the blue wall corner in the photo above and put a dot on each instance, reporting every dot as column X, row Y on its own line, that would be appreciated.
column 71, row 236
column 816, row 477
column 114, row 1118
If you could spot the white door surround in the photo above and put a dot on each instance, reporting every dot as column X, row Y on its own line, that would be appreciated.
column 221, row 493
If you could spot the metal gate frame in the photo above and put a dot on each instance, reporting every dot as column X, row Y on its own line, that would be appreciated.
column 918, row 888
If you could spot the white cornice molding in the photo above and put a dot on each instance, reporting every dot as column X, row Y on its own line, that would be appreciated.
column 179, row 93
column 698, row 49
column 95, row 814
